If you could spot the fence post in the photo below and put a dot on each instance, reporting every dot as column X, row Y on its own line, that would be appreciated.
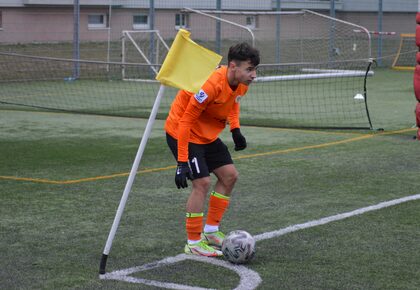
column 332, row 51
column 76, row 39
column 278, row 18
column 380, row 15
column 218, row 28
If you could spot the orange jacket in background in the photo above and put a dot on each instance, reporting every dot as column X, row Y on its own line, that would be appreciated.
column 199, row 118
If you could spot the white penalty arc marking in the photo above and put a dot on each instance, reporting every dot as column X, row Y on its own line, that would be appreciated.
column 248, row 279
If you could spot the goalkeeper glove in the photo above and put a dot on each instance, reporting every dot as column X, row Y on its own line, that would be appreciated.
column 183, row 171
column 238, row 139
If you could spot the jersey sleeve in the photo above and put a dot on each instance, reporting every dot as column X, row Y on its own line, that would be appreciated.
column 196, row 105
column 233, row 117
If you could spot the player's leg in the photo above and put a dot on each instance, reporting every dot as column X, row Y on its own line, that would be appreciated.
column 195, row 209
column 221, row 165
column 218, row 203
column 195, row 203
column 227, row 176
column 194, row 220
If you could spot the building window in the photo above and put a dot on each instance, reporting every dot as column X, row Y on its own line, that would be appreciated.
column 141, row 21
column 97, row 21
column 181, row 21
column 1, row 21
column 251, row 21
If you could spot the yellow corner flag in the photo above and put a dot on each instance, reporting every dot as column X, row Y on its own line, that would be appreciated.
column 187, row 65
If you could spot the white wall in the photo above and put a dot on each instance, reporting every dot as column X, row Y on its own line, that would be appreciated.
column 11, row 3
column 387, row 5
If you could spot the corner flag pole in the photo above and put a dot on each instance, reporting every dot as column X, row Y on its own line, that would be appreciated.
column 186, row 66
column 131, row 178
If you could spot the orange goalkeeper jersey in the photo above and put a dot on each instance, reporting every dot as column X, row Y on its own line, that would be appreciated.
column 199, row 118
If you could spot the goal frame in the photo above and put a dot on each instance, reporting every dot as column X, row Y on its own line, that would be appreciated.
column 397, row 56
column 127, row 36
column 331, row 69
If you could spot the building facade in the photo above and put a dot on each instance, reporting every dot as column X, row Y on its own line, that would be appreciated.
column 52, row 21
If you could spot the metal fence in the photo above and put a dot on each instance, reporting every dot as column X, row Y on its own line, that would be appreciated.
column 94, row 32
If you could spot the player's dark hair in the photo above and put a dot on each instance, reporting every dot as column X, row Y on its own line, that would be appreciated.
column 243, row 52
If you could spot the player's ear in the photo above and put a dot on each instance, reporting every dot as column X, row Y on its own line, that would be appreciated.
column 232, row 64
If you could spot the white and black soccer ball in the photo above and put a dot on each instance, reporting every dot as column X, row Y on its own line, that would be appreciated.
column 239, row 247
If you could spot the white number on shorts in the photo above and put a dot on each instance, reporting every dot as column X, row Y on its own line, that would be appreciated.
column 195, row 161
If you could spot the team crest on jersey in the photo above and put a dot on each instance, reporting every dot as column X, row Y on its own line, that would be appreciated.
column 201, row 96
column 238, row 99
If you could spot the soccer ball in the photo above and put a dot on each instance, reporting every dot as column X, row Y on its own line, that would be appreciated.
column 239, row 247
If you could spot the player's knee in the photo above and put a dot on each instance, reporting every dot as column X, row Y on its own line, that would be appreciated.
column 202, row 184
column 230, row 178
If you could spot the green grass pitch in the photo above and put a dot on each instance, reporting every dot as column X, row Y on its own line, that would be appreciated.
column 62, row 177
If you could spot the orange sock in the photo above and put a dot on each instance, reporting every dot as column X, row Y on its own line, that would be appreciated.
column 217, row 206
column 194, row 224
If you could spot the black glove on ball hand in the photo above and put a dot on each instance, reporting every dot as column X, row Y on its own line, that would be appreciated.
column 183, row 172
column 238, row 139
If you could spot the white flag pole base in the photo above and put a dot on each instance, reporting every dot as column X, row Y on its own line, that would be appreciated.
column 130, row 180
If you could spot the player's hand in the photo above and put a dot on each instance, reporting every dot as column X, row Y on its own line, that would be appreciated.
column 183, row 171
column 238, row 139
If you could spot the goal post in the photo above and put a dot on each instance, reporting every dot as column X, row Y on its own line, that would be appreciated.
column 321, row 79
column 306, row 36
column 405, row 58
column 142, row 46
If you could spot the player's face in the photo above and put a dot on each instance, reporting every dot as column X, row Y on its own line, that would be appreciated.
column 245, row 72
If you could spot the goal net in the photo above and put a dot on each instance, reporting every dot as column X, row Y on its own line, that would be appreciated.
column 405, row 58
column 314, row 68
column 313, row 72
column 44, row 83
column 142, row 46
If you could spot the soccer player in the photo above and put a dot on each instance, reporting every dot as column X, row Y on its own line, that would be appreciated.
column 192, row 129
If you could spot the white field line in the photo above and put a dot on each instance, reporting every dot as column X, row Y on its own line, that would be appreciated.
column 248, row 279
column 337, row 217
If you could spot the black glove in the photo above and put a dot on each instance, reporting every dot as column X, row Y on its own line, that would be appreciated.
column 183, row 171
column 238, row 139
